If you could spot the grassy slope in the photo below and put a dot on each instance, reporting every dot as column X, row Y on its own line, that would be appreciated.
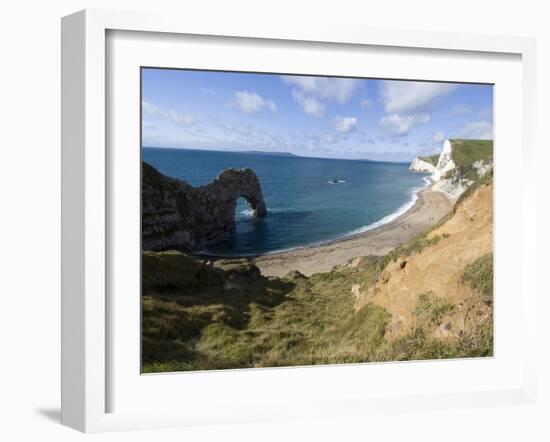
column 261, row 322
column 479, row 275
column 466, row 152
column 226, row 315
column 432, row 159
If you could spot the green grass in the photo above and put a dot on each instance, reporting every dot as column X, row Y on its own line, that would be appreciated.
column 419, row 345
column 479, row 275
column 266, row 322
column 432, row 159
column 174, row 271
column 415, row 246
column 466, row 152
column 431, row 309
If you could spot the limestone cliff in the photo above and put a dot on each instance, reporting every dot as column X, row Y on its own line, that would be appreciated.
column 420, row 165
column 445, row 163
column 460, row 164
column 425, row 164
column 179, row 216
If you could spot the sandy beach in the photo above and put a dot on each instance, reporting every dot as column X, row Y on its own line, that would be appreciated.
column 430, row 207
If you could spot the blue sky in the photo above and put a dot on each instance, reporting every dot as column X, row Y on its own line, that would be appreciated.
column 328, row 117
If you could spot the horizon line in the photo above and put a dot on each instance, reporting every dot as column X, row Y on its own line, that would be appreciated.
column 282, row 154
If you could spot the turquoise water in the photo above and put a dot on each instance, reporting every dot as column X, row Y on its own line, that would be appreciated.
column 304, row 205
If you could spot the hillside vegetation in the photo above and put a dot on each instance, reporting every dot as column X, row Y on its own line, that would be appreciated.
column 432, row 159
column 429, row 299
column 466, row 152
column 472, row 160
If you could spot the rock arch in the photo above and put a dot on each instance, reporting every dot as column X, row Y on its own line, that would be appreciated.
column 178, row 215
column 234, row 183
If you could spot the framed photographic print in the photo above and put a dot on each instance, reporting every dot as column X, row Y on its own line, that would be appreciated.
column 251, row 213
column 305, row 220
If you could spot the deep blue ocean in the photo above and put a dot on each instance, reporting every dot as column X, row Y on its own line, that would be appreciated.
column 304, row 205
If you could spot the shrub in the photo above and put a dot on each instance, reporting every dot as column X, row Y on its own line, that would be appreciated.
column 479, row 275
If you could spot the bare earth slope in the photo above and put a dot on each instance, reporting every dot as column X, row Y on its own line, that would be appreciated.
column 436, row 273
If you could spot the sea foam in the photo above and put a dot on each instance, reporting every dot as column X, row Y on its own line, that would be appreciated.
column 392, row 216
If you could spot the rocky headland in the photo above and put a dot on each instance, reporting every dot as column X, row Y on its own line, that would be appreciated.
column 176, row 215
column 424, row 164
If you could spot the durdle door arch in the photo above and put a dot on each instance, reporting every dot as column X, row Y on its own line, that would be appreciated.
column 178, row 215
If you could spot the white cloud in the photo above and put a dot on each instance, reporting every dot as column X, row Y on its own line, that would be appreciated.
column 329, row 138
column 486, row 113
column 324, row 88
column 364, row 138
column 408, row 96
column 345, row 124
column 401, row 125
column 251, row 102
column 461, row 109
column 477, row 130
column 366, row 103
column 209, row 91
column 169, row 115
column 311, row 105
column 312, row 93
column 438, row 137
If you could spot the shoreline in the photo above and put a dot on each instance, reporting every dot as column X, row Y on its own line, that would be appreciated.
column 388, row 219
column 429, row 207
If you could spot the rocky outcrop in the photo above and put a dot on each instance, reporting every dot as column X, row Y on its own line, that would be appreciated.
column 419, row 165
column 176, row 215
column 452, row 187
column 445, row 162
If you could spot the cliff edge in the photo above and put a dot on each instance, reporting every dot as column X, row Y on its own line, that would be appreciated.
column 425, row 164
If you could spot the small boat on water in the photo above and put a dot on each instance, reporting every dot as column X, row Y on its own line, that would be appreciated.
column 337, row 181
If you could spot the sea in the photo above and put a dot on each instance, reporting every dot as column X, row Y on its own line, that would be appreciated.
column 309, row 200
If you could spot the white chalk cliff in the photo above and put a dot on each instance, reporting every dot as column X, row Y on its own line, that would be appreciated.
column 446, row 177
column 419, row 165
column 445, row 162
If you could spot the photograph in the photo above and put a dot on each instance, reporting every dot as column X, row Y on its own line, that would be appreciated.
column 302, row 220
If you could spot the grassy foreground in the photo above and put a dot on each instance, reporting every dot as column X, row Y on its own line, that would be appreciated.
column 202, row 315
column 260, row 322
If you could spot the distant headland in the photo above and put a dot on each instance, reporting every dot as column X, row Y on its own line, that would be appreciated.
column 275, row 154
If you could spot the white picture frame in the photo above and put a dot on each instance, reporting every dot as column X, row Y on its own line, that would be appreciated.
column 86, row 203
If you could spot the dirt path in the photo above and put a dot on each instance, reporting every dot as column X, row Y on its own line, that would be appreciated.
column 430, row 207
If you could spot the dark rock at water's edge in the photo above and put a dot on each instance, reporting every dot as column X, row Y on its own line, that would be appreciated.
column 179, row 216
